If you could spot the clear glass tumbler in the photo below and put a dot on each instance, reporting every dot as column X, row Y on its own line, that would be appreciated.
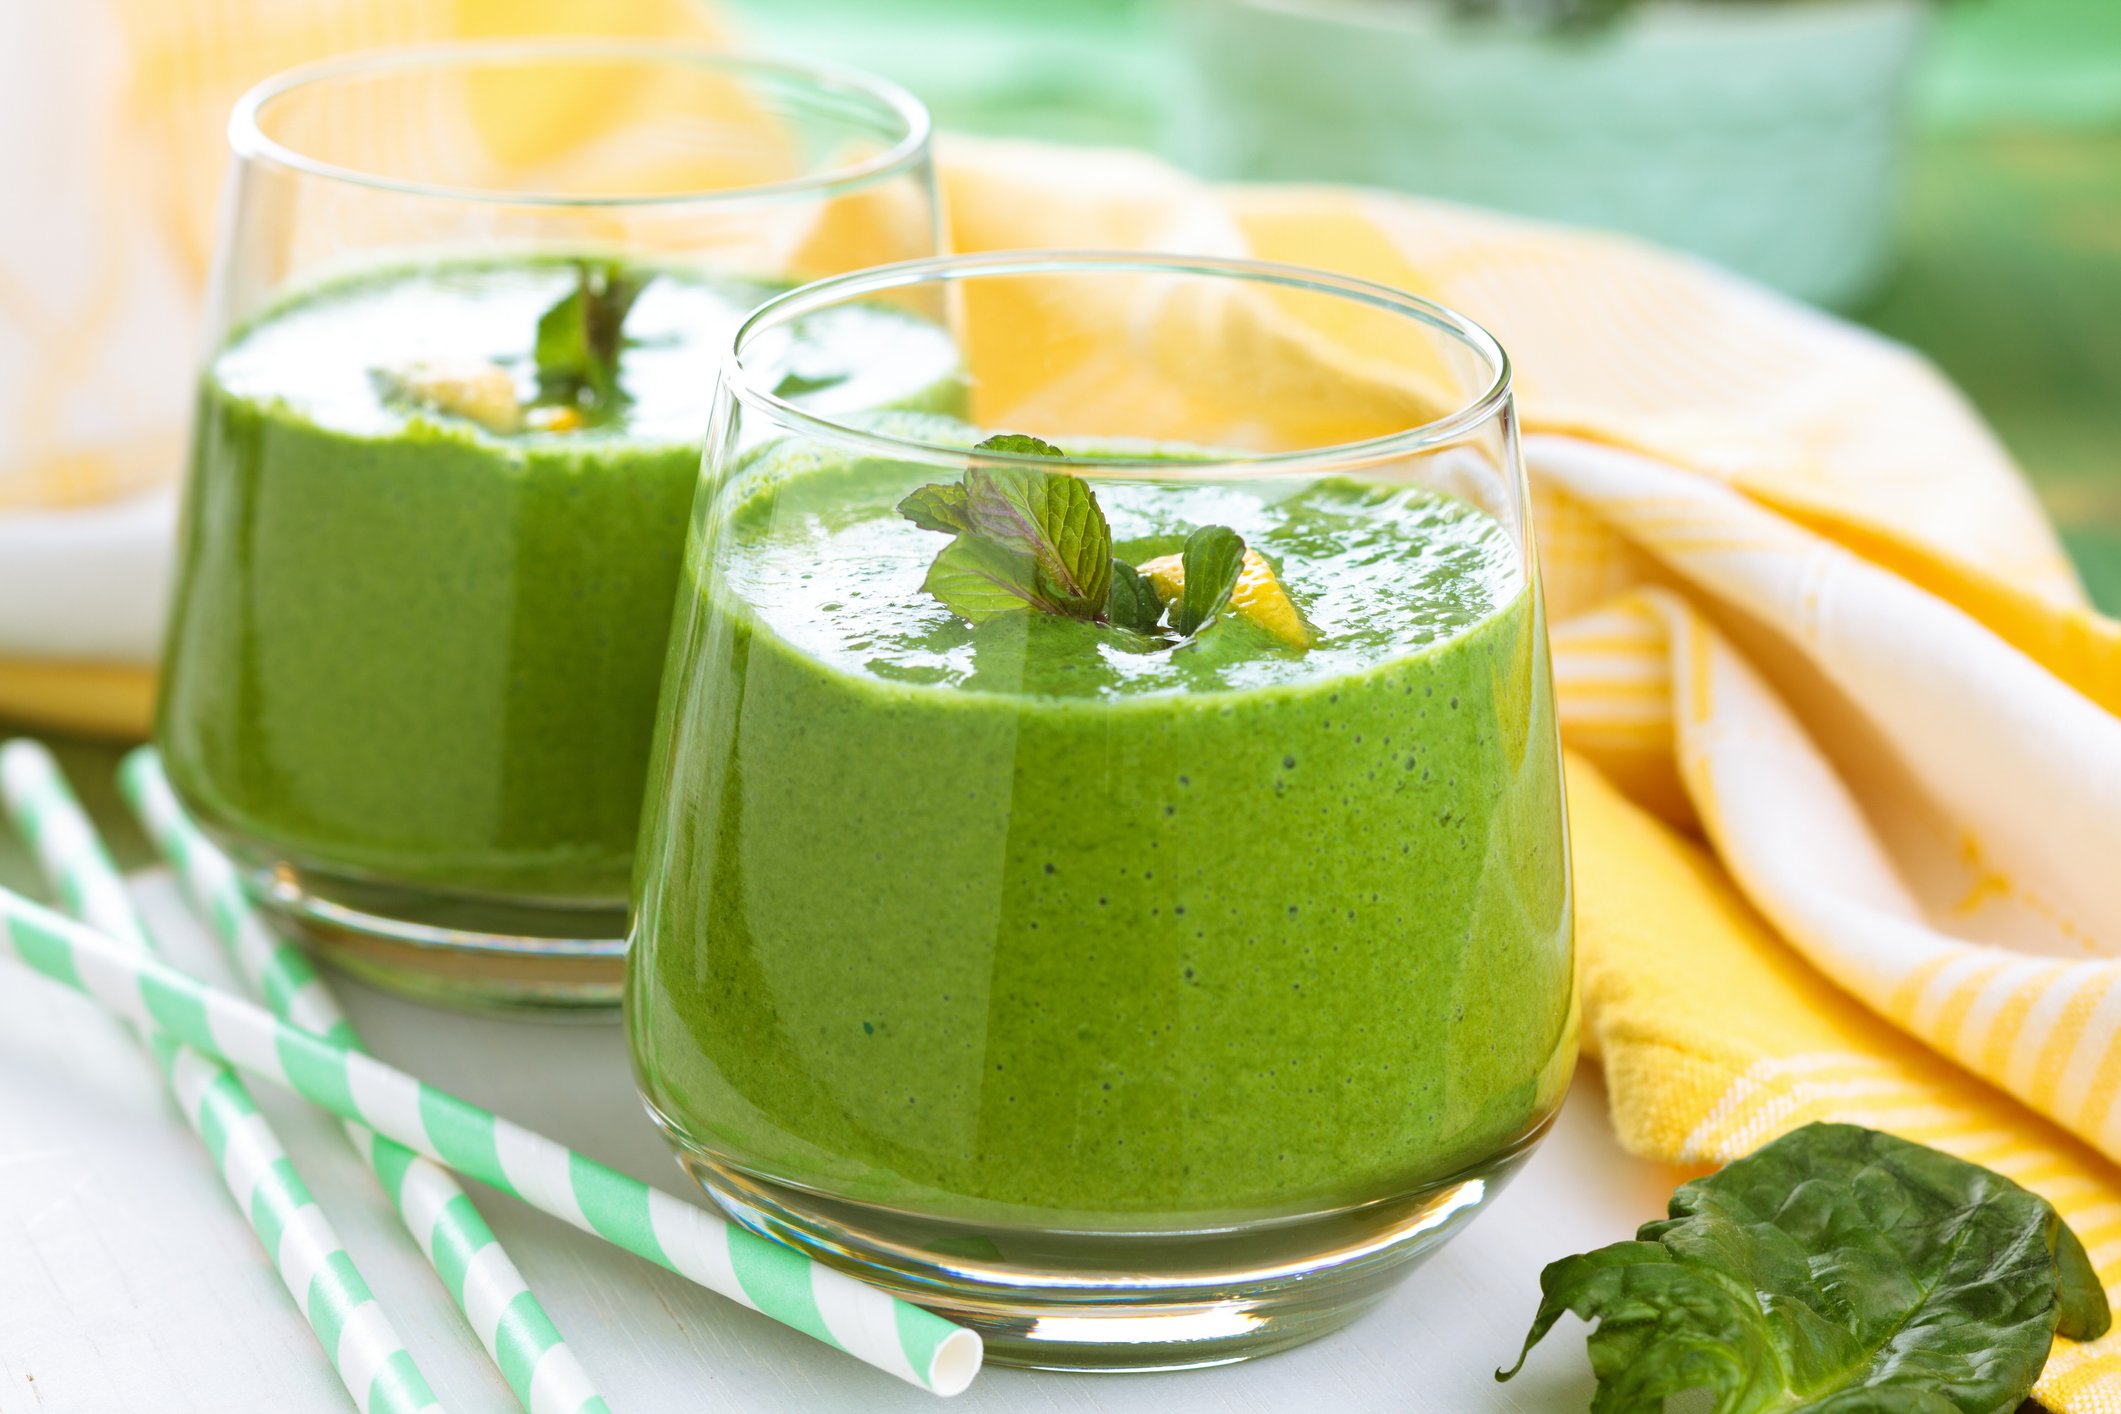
column 1104, row 874
column 467, row 305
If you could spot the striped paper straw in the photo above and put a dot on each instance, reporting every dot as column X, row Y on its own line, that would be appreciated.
column 372, row 1362
column 890, row 1334
column 504, row 1314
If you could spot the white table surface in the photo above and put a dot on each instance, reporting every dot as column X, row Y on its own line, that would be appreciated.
column 129, row 1283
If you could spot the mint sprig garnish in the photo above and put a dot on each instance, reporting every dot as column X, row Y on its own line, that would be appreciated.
column 1019, row 444
column 1053, row 518
column 980, row 580
column 1025, row 539
column 1213, row 557
column 579, row 338
column 1132, row 603
column 1037, row 541
column 938, row 507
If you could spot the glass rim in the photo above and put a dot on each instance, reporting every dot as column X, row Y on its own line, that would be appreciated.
column 249, row 142
column 1442, row 431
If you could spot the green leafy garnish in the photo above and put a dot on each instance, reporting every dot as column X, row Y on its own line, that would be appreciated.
column 1213, row 558
column 1026, row 539
column 1019, row 444
column 937, row 507
column 1037, row 540
column 1053, row 518
column 794, row 384
column 577, row 350
column 1836, row 1269
column 980, row 580
column 1132, row 603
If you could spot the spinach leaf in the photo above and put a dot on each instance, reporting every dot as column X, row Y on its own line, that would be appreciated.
column 1837, row 1270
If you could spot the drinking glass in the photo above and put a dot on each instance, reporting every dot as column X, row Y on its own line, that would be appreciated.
column 1141, row 976
column 465, row 314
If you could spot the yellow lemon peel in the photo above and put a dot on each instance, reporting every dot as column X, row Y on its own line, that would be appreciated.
column 475, row 389
column 1258, row 595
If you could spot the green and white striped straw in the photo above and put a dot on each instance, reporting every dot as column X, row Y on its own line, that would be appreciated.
column 504, row 1314
column 371, row 1361
column 892, row 1335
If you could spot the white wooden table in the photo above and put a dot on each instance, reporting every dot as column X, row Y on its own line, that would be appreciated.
column 129, row 1283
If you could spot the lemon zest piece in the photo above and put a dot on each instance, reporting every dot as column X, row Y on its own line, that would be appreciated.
column 1259, row 595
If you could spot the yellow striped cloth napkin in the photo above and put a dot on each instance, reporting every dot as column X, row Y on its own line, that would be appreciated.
column 1845, row 771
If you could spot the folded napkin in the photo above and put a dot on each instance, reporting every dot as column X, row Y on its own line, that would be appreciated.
column 1845, row 765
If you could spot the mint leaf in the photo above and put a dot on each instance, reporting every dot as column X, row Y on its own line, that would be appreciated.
column 1132, row 603
column 1066, row 531
column 1055, row 519
column 1020, row 444
column 1836, row 1268
column 1027, row 538
column 794, row 384
column 937, row 507
column 1213, row 558
column 980, row 580
column 578, row 342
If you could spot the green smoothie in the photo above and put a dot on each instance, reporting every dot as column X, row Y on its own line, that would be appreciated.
column 1041, row 923
column 417, row 642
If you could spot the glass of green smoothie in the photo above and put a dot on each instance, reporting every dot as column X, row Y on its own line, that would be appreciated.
column 1104, row 874
column 466, row 307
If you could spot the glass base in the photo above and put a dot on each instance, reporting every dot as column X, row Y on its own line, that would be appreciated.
column 1114, row 1301
column 472, row 954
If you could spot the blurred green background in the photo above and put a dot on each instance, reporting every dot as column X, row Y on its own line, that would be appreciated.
column 2010, row 276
